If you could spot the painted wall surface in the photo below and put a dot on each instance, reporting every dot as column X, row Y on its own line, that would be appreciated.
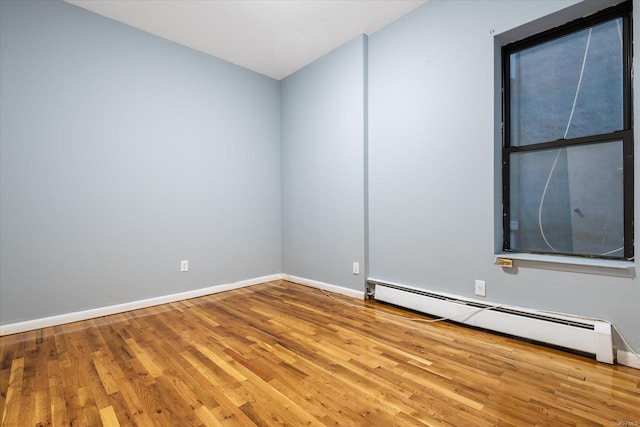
column 122, row 154
column 434, row 163
column 323, row 168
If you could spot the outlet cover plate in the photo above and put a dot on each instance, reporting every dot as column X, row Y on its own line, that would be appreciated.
column 356, row 268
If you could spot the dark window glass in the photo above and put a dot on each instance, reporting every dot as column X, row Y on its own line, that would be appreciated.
column 568, row 145
column 568, row 200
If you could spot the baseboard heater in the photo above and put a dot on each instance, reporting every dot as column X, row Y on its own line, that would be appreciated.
column 583, row 335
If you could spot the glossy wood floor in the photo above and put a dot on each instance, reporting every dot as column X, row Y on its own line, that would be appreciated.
column 285, row 354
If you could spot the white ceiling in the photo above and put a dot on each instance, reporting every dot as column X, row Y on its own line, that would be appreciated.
column 271, row 37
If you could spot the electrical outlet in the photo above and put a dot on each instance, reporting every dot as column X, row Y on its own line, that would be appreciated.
column 356, row 268
column 481, row 288
column 184, row 265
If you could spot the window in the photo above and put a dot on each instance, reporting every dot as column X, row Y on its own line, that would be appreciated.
column 567, row 157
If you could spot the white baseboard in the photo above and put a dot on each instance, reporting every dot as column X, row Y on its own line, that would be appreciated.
column 325, row 286
column 627, row 358
column 624, row 357
column 29, row 325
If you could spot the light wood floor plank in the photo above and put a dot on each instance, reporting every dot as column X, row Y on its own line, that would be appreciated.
column 108, row 417
column 285, row 354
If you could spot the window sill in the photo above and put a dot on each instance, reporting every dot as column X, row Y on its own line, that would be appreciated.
column 605, row 267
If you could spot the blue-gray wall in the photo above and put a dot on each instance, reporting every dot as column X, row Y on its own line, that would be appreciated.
column 323, row 168
column 122, row 154
column 434, row 168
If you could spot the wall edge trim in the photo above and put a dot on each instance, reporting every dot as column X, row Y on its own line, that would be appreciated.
column 61, row 319
column 627, row 358
column 324, row 286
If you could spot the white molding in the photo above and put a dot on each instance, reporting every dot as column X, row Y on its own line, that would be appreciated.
column 624, row 357
column 325, row 286
column 627, row 358
column 570, row 260
column 29, row 325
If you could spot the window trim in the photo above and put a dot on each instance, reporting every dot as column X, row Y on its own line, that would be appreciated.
column 624, row 11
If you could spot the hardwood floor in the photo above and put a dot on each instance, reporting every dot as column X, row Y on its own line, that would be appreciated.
column 285, row 354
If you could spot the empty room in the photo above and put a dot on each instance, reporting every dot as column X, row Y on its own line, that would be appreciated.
column 314, row 212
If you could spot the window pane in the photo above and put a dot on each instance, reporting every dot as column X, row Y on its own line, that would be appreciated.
column 568, row 200
column 554, row 97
